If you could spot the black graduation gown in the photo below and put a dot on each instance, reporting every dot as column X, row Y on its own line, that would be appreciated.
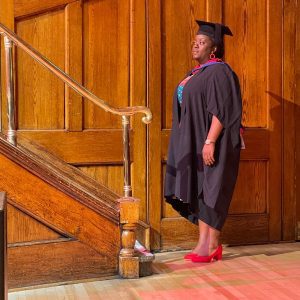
column 195, row 190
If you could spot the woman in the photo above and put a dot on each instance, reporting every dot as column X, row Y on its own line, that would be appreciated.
column 205, row 143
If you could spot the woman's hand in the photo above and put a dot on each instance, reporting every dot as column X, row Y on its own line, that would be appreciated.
column 208, row 154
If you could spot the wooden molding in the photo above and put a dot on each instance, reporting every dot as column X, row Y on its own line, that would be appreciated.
column 88, row 147
column 73, row 65
column 289, row 121
column 26, row 8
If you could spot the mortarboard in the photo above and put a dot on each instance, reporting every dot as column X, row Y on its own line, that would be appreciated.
column 213, row 30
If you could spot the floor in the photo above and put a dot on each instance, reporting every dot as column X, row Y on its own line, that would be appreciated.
column 247, row 272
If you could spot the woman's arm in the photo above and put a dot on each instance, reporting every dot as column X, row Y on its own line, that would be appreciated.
column 209, row 148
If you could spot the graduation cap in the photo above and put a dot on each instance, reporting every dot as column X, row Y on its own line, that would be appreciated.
column 213, row 30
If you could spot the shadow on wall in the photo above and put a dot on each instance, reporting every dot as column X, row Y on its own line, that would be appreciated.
column 290, row 162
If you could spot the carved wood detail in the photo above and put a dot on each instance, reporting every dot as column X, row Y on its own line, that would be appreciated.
column 129, row 217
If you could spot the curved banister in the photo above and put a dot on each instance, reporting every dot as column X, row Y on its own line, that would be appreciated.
column 126, row 111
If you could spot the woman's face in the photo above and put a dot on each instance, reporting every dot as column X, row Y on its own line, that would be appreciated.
column 202, row 47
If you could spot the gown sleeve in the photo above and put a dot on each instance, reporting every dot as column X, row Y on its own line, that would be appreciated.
column 223, row 96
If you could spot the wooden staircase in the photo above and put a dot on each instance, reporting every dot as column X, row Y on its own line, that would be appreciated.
column 62, row 224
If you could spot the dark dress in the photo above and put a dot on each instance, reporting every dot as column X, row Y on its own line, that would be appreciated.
column 195, row 190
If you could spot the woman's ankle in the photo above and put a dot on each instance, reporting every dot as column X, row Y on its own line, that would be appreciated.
column 213, row 247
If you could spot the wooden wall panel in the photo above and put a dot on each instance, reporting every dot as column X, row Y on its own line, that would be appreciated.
column 81, row 148
column 251, row 194
column 110, row 176
column 214, row 10
column 154, row 92
column 6, row 18
column 275, row 119
column 23, row 228
column 138, row 96
column 25, row 7
column 176, row 37
column 40, row 95
column 106, row 59
column 297, row 119
column 290, row 110
column 246, row 52
column 57, row 262
column 73, row 65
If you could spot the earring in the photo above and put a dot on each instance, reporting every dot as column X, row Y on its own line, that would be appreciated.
column 212, row 56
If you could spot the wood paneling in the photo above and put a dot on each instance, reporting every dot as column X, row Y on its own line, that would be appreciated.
column 73, row 65
column 289, row 135
column 23, row 228
column 246, row 52
column 214, row 10
column 106, row 59
column 57, row 262
column 40, row 94
column 297, row 118
column 6, row 18
column 175, row 231
column 178, row 28
column 81, row 148
column 274, row 90
column 154, row 144
column 251, row 193
column 109, row 176
column 55, row 208
column 25, row 7
column 138, row 96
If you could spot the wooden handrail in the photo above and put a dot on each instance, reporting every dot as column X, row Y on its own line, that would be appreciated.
column 125, row 111
column 3, row 248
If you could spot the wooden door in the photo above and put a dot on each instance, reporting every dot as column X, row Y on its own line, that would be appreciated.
column 95, row 42
column 255, row 212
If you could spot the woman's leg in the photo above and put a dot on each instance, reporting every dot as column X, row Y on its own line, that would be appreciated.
column 214, row 237
column 202, row 247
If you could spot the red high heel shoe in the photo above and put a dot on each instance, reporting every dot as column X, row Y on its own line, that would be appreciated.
column 217, row 255
column 190, row 255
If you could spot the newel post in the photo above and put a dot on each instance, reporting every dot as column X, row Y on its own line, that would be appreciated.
column 129, row 216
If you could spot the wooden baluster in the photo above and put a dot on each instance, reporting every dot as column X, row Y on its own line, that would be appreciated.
column 3, row 248
column 129, row 217
column 11, row 131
